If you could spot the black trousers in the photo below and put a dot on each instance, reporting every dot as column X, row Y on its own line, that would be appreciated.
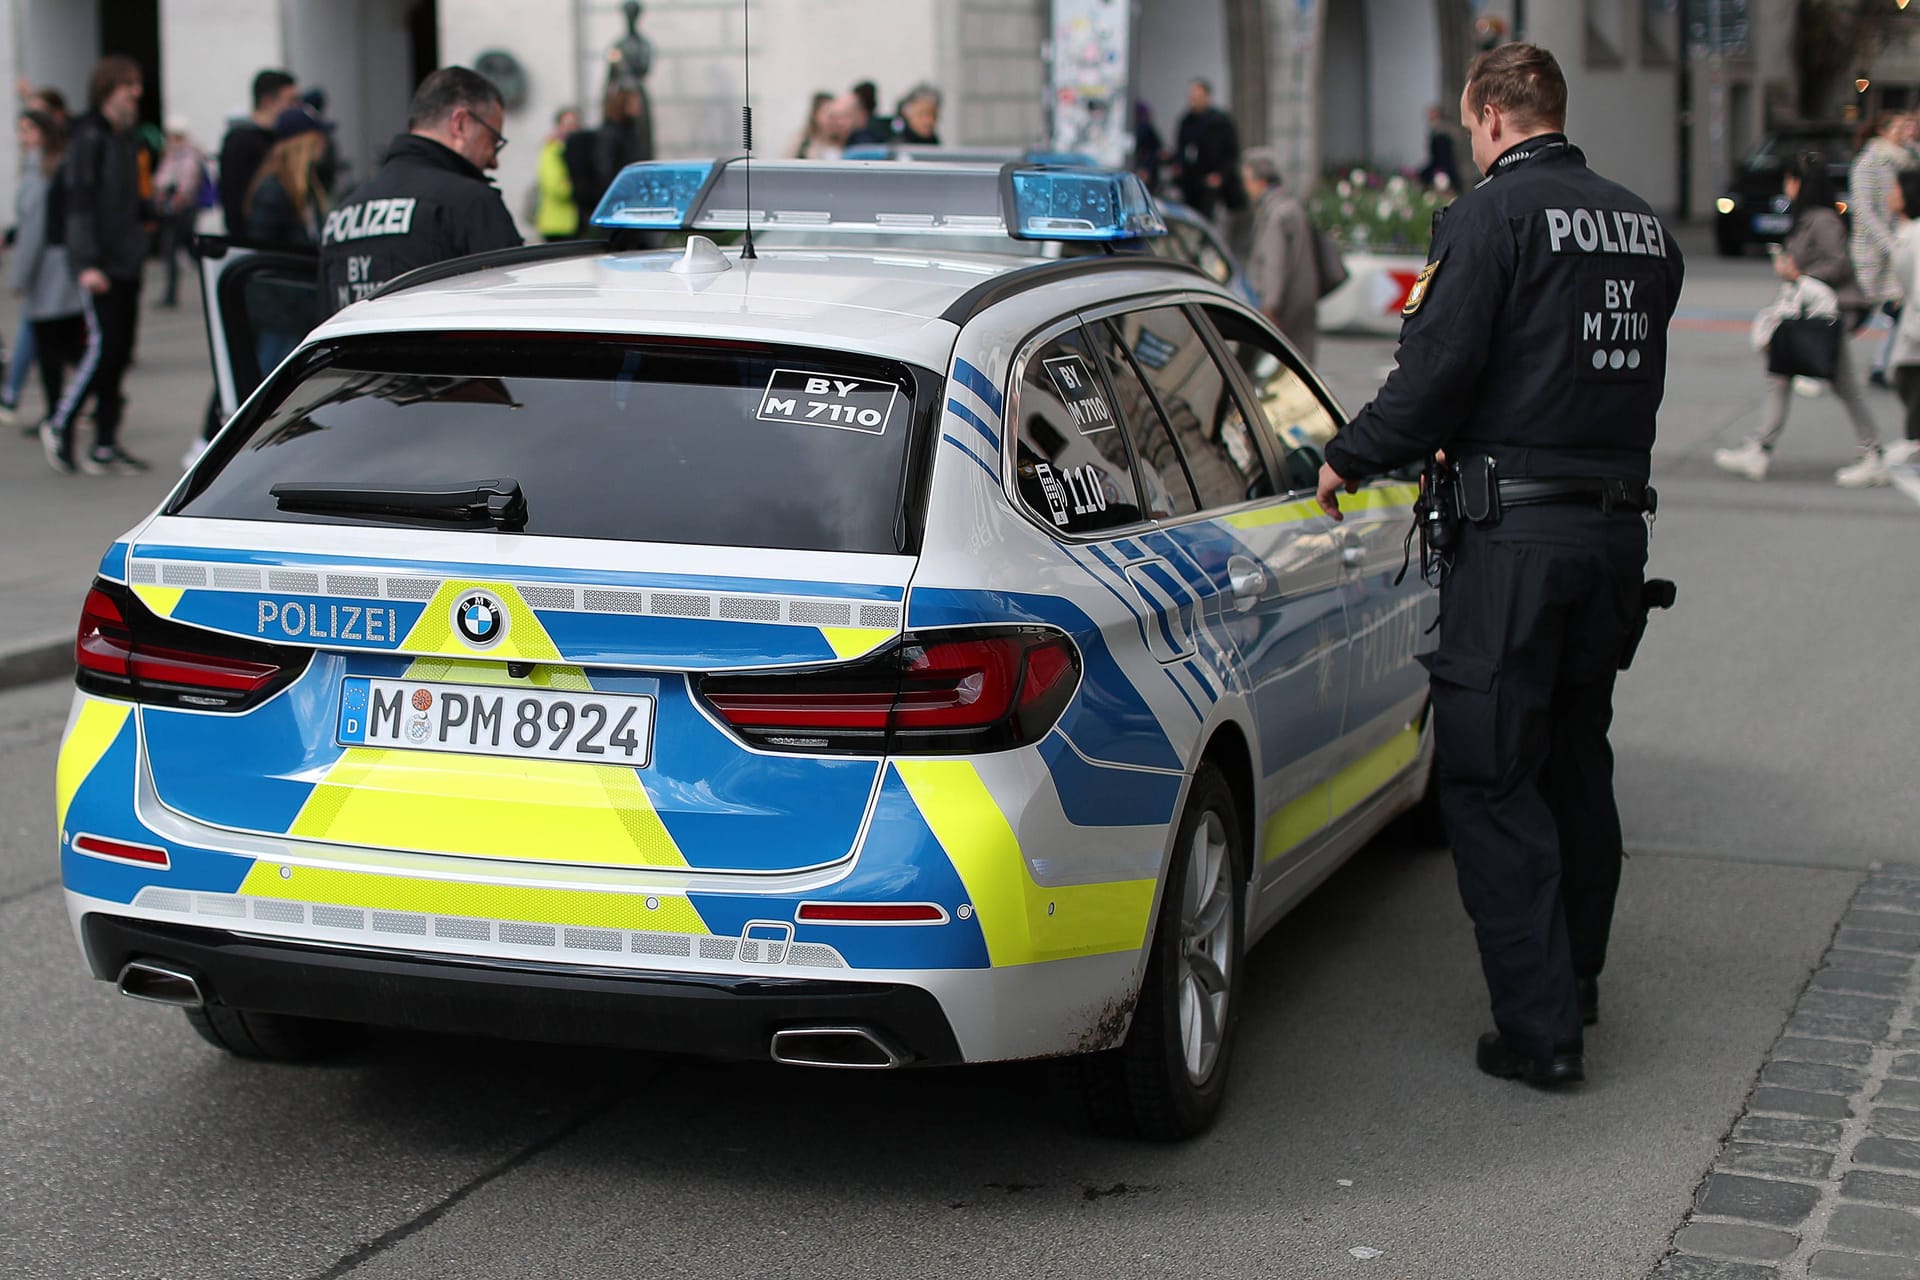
column 58, row 345
column 1534, row 617
column 112, row 318
column 1906, row 380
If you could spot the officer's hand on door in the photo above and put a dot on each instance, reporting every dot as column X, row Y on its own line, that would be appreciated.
column 1331, row 482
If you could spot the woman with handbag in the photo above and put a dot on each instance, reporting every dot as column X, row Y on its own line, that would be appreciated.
column 1816, row 246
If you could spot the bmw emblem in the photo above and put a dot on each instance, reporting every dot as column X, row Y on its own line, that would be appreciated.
column 480, row 620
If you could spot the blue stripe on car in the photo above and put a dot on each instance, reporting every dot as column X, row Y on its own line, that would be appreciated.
column 981, row 385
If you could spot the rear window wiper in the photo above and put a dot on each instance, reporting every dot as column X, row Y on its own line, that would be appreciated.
column 495, row 502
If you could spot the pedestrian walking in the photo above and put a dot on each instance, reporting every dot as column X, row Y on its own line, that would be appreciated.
column 1816, row 245
column 54, row 333
column 1281, row 263
column 248, row 140
column 1149, row 149
column 1442, row 170
column 867, row 127
column 106, row 240
column 179, row 186
column 556, row 216
column 1906, row 350
column 1206, row 161
column 1870, row 183
column 430, row 200
column 1547, row 425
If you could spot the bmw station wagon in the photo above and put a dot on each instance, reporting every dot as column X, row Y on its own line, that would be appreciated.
column 850, row 657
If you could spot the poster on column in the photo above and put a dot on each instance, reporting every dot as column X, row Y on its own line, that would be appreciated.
column 1091, row 79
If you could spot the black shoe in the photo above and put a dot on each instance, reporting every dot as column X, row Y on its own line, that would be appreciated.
column 1589, row 989
column 1499, row 1059
column 1878, row 378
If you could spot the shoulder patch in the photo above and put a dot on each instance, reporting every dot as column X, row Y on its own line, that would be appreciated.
column 1418, row 293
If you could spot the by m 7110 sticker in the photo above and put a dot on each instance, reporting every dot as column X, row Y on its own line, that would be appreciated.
column 828, row 400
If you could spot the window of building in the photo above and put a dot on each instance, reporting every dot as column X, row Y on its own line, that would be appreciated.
column 1607, row 30
column 1298, row 421
column 1073, row 467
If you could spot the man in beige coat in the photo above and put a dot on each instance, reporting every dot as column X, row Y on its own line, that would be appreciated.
column 1282, row 264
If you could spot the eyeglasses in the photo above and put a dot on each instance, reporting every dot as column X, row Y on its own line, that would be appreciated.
column 499, row 138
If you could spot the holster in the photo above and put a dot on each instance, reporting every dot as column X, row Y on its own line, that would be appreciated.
column 1655, row 593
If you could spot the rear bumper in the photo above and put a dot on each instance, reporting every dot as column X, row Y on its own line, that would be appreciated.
column 706, row 1015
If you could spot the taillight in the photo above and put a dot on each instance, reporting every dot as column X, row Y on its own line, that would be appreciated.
column 983, row 689
column 123, row 650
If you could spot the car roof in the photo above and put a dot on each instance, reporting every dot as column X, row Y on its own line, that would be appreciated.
column 903, row 304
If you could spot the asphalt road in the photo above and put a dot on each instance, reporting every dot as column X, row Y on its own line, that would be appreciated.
column 1765, row 759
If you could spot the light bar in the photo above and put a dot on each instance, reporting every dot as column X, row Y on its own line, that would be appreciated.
column 1081, row 204
column 921, row 197
column 653, row 196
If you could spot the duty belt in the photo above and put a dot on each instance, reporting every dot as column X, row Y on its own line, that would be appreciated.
column 1607, row 494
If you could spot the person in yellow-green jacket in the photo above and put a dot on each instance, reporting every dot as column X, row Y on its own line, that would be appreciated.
column 556, row 216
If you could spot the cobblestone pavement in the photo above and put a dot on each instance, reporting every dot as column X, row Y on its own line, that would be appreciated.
column 1821, row 1174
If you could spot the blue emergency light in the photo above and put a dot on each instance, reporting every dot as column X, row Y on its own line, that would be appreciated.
column 1022, row 200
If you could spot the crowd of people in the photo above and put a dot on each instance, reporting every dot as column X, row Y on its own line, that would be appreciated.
column 1853, row 272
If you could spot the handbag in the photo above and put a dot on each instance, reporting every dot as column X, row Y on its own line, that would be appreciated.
column 1805, row 347
column 1332, row 268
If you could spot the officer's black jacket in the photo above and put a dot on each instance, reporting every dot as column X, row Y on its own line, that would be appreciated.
column 1540, row 337
column 427, row 203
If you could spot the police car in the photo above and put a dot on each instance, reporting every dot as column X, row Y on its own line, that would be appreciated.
column 857, row 658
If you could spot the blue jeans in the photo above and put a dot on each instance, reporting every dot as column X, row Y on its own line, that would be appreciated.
column 23, row 358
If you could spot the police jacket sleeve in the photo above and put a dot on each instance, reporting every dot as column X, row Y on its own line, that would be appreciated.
column 81, row 173
column 492, row 226
column 1444, row 345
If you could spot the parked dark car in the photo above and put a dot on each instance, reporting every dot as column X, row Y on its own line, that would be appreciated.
column 1754, row 208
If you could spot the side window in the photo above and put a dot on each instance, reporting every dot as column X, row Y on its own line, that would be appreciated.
column 1298, row 422
column 1073, row 468
column 1196, row 247
column 1221, row 454
column 1162, row 474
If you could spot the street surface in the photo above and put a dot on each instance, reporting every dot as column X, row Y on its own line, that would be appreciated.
column 1766, row 756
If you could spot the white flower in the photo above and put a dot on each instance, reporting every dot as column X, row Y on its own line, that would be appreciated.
column 1384, row 209
column 1346, row 208
column 1397, row 184
column 1441, row 182
column 1344, row 188
column 1358, row 177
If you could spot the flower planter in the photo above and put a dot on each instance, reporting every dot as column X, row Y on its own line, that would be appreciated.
column 1370, row 300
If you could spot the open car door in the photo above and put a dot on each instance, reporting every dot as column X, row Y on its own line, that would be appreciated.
column 260, row 302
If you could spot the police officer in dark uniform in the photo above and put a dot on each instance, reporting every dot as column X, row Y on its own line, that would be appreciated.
column 1533, row 354
column 431, row 199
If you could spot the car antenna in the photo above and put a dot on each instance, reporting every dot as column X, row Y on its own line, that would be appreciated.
column 746, row 121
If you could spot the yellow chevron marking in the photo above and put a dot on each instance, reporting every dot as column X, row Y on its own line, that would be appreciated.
column 588, row 908
column 851, row 642
column 162, row 600
column 526, row 639
column 1300, row 819
column 93, row 734
column 1023, row 922
column 1372, row 499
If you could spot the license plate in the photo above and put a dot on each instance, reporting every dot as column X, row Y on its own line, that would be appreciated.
column 491, row 720
column 1772, row 224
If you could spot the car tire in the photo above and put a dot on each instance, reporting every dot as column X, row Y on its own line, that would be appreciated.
column 1167, row 1079
column 272, row 1037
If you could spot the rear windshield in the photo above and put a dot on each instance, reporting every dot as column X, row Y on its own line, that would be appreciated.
column 724, row 444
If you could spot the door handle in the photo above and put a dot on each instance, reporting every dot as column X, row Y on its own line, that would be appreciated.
column 1247, row 578
column 1352, row 556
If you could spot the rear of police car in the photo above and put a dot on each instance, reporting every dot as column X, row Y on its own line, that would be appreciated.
column 528, row 657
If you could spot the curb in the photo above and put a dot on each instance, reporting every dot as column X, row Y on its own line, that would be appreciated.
column 30, row 661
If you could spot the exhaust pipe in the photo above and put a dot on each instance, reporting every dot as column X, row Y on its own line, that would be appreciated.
column 852, row 1048
column 162, row 984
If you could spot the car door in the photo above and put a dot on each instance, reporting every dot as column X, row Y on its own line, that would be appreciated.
column 1270, row 563
column 260, row 302
column 1388, row 620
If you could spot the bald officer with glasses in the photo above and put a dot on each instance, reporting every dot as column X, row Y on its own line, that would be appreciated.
column 431, row 199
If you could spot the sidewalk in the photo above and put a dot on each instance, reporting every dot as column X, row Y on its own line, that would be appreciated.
column 58, row 526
